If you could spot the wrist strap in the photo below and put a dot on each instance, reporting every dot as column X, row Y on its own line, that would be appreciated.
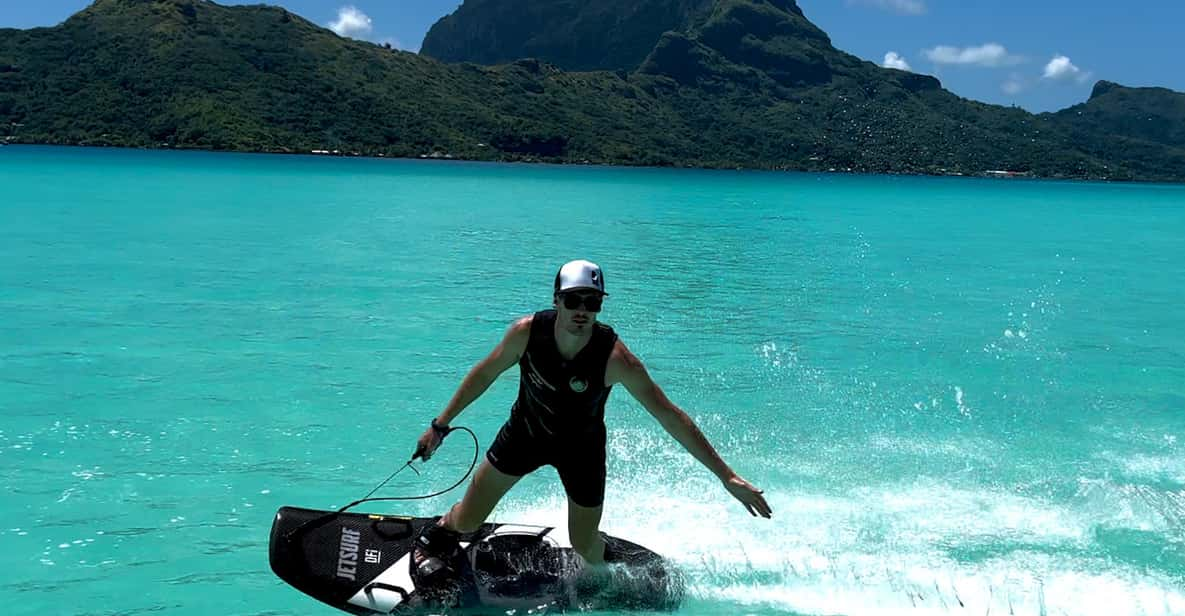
column 439, row 429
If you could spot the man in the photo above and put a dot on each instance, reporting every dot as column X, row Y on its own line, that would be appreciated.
column 568, row 363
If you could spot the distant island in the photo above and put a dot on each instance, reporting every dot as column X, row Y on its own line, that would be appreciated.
column 683, row 83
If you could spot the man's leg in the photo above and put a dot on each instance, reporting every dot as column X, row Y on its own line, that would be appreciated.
column 437, row 547
column 582, row 471
column 583, row 530
column 488, row 487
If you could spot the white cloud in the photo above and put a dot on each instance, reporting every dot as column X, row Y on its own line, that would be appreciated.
column 894, row 60
column 351, row 22
column 991, row 54
column 904, row 7
column 1060, row 68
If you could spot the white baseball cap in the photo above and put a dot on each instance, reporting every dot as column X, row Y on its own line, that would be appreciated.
column 580, row 274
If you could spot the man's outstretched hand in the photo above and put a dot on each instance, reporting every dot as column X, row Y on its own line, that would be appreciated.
column 749, row 496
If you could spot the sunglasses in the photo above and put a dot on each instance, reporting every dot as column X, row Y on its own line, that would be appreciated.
column 573, row 301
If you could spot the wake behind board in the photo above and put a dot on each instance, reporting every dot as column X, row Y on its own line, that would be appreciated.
column 362, row 564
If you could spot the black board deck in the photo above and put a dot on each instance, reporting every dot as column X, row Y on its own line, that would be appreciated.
column 362, row 563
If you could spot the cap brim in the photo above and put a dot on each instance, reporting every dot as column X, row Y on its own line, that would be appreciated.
column 582, row 289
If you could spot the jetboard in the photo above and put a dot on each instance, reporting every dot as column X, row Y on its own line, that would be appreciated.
column 362, row 564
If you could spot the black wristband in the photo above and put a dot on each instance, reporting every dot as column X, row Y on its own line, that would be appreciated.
column 439, row 429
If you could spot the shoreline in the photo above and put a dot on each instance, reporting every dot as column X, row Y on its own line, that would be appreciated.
column 439, row 156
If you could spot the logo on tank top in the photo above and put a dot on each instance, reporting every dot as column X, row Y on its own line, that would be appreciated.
column 578, row 384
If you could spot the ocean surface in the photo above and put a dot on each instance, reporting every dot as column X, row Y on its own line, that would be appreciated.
column 961, row 396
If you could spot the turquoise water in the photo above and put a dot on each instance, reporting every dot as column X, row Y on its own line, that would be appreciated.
column 960, row 396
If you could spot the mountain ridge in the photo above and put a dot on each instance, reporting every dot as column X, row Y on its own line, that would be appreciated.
column 577, row 35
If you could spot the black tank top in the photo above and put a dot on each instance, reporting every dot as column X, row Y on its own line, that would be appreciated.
column 557, row 396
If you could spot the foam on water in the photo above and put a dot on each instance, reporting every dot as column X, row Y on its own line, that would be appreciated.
column 1168, row 467
column 814, row 563
column 923, row 547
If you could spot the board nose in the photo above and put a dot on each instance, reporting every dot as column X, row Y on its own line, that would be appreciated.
column 331, row 556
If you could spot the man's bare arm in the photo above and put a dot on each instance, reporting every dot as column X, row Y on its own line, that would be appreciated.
column 627, row 369
column 479, row 379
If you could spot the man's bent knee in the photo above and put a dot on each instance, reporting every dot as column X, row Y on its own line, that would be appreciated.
column 489, row 485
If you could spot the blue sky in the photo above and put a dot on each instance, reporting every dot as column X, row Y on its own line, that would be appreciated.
column 1040, row 55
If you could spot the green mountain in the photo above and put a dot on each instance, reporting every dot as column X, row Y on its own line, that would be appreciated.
column 575, row 35
column 1156, row 115
column 1144, row 127
column 191, row 73
column 735, row 83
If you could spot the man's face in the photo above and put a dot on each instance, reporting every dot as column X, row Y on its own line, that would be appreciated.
column 577, row 310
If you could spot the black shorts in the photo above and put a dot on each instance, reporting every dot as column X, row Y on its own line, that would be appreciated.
column 579, row 458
